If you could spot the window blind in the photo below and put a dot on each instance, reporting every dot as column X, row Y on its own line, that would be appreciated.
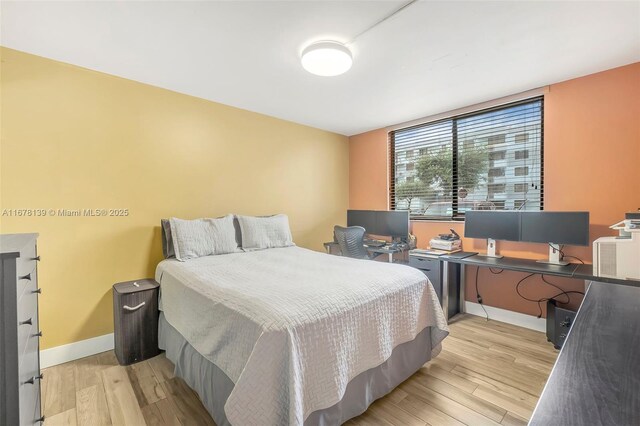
column 486, row 160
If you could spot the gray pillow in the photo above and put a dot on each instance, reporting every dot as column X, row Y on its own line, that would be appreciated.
column 203, row 237
column 236, row 225
column 167, row 241
column 265, row 232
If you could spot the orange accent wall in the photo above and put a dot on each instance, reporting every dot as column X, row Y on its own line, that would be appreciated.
column 591, row 162
column 368, row 154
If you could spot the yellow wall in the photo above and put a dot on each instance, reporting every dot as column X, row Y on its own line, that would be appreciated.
column 74, row 139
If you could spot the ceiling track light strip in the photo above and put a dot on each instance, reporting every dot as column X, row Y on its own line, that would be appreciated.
column 391, row 15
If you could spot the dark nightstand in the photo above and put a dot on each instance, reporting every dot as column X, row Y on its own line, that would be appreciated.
column 135, row 316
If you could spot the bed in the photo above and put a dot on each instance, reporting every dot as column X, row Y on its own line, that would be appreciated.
column 293, row 336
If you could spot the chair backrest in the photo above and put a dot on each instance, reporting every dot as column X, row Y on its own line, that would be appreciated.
column 351, row 241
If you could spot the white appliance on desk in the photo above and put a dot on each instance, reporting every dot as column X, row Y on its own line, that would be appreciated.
column 448, row 245
column 619, row 257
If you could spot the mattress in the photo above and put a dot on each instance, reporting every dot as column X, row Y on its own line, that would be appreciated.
column 291, row 328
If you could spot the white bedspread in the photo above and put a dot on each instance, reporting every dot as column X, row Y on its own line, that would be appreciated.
column 291, row 327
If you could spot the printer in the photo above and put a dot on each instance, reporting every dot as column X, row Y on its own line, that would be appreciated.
column 448, row 242
column 619, row 257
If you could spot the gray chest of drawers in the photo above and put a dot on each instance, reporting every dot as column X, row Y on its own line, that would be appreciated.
column 19, row 331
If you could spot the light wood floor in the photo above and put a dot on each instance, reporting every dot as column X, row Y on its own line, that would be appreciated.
column 487, row 373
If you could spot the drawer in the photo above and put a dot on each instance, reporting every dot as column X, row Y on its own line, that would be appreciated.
column 27, row 299
column 27, row 260
column 25, row 285
column 29, row 404
column 436, row 280
column 28, row 344
column 425, row 263
column 29, row 393
column 27, row 309
column 24, row 337
column 37, row 409
column 431, row 268
column 28, row 398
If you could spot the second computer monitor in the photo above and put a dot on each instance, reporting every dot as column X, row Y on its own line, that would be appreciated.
column 570, row 228
column 490, row 224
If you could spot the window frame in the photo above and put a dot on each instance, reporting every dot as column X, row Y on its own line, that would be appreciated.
column 458, row 216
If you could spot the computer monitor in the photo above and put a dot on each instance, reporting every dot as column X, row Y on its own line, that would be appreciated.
column 394, row 223
column 492, row 225
column 555, row 229
column 570, row 228
column 364, row 218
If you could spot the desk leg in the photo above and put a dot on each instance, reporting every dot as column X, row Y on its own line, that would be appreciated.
column 445, row 289
column 390, row 257
column 461, row 291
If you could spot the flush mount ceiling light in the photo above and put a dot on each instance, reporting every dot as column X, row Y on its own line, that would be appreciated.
column 327, row 58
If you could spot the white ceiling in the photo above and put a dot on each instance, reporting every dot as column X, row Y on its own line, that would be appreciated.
column 429, row 58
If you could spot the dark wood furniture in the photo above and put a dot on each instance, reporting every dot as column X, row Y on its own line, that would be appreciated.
column 19, row 331
column 596, row 378
column 135, row 315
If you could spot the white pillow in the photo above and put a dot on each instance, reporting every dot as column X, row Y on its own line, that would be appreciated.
column 203, row 237
column 265, row 232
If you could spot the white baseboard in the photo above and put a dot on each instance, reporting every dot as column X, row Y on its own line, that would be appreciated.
column 76, row 350
column 510, row 317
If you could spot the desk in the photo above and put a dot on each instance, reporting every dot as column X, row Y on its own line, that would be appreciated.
column 512, row 264
column 585, row 272
column 596, row 378
column 388, row 250
column 581, row 272
column 328, row 246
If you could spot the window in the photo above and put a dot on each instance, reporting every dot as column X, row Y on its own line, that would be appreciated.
column 497, row 188
column 497, row 155
column 496, row 172
column 496, row 139
column 520, row 187
column 498, row 204
column 461, row 163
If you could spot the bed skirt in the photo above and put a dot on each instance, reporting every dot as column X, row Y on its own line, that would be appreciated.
column 214, row 387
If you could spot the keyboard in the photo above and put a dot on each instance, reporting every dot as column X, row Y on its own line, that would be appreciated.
column 375, row 243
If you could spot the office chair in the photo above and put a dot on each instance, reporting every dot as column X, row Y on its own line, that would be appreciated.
column 351, row 241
